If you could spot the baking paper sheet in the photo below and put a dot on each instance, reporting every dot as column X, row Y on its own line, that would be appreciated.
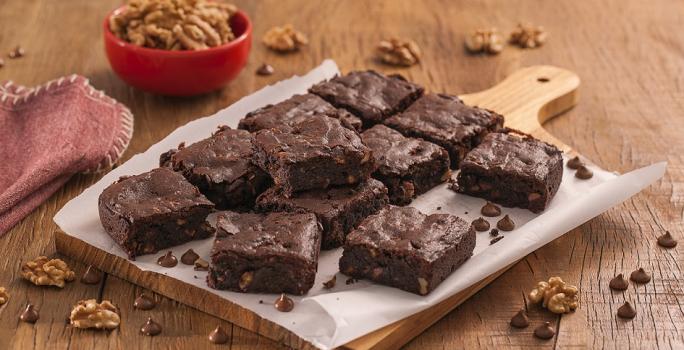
column 330, row 318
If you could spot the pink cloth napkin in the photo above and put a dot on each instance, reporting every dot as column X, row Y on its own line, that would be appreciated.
column 51, row 132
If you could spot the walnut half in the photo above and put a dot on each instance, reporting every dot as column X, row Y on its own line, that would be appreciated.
column 284, row 39
column 528, row 36
column 90, row 314
column 485, row 40
column 555, row 295
column 4, row 295
column 45, row 272
column 399, row 52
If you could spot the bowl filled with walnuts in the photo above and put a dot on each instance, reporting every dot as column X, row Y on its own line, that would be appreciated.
column 177, row 47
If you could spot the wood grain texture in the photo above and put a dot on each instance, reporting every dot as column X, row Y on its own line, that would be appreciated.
column 628, row 53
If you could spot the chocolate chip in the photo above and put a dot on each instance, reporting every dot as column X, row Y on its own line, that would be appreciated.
column 545, row 331
column 218, row 336
column 506, row 224
column 494, row 232
column 439, row 208
column 619, row 283
column 201, row 265
column 167, row 260
column 189, row 257
column 284, row 303
column 30, row 314
column 575, row 163
column 143, row 302
column 265, row 69
column 583, row 173
column 150, row 328
column 90, row 276
column 480, row 224
column 520, row 320
column 495, row 240
column 667, row 241
column 640, row 276
column 331, row 283
column 491, row 210
column 626, row 311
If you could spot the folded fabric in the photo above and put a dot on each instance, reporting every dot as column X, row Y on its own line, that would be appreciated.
column 51, row 132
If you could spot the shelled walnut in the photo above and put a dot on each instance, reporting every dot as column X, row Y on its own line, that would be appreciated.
column 174, row 24
column 555, row 295
column 485, row 40
column 284, row 39
column 90, row 314
column 45, row 272
column 528, row 36
column 4, row 295
column 399, row 52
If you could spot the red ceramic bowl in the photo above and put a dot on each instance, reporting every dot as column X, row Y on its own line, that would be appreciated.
column 180, row 73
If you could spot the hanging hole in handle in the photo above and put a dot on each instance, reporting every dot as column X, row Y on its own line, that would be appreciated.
column 543, row 79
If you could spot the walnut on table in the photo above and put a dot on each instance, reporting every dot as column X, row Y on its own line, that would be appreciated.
column 399, row 52
column 4, row 295
column 284, row 39
column 47, row 272
column 90, row 314
column 485, row 40
column 555, row 295
column 528, row 36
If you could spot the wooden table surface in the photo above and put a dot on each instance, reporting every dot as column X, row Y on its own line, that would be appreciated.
column 629, row 54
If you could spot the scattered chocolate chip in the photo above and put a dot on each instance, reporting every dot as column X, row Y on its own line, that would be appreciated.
column 331, row 283
column 494, row 232
column 495, row 240
column 167, row 260
column 520, row 320
column 545, row 331
column 640, row 276
column 189, row 257
column 667, row 241
column 439, row 208
column 17, row 52
column 261, row 301
column 480, row 224
column 143, row 302
column 265, row 69
column 626, row 311
column 351, row 280
column 218, row 336
column 90, row 276
column 618, row 283
column 201, row 265
column 575, row 163
column 506, row 224
column 150, row 328
column 583, row 173
column 491, row 210
column 284, row 303
column 30, row 314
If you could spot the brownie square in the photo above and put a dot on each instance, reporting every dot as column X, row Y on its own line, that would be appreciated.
column 153, row 211
column 404, row 248
column 222, row 169
column 338, row 209
column 515, row 171
column 448, row 122
column 265, row 253
column 314, row 153
column 293, row 110
column 369, row 95
column 407, row 166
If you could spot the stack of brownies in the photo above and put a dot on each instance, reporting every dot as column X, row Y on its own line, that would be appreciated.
column 332, row 168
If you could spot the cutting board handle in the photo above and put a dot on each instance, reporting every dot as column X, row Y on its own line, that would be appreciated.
column 541, row 91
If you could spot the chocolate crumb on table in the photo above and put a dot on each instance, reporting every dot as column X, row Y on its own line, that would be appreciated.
column 448, row 122
column 265, row 253
column 407, row 166
column 515, row 171
column 406, row 249
column 152, row 211
column 666, row 240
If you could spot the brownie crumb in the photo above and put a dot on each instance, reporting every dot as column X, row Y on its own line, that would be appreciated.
column 331, row 283
column 495, row 240
column 351, row 280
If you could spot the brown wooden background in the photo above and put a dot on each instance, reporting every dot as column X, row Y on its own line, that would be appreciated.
column 629, row 54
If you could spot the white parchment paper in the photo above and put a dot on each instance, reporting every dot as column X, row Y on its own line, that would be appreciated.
column 330, row 318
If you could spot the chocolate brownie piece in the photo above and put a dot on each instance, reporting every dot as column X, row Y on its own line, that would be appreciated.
column 369, row 95
column 315, row 153
column 404, row 248
column 338, row 209
column 265, row 253
column 448, row 122
column 153, row 211
column 515, row 171
column 407, row 166
column 293, row 110
column 221, row 168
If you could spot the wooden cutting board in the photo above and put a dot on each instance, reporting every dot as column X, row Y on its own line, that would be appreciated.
column 527, row 98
